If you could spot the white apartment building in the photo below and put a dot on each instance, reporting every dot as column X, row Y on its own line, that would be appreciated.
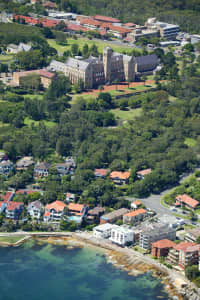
column 103, row 231
column 122, row 236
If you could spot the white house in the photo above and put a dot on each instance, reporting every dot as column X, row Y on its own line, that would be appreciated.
column 70, row 197
column 103, row 231
column 35, row 209
column 122, row 236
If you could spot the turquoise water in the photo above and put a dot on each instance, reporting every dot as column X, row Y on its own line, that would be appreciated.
column 48, row 272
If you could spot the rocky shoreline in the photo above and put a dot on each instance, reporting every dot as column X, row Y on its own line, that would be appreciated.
column 124, row 258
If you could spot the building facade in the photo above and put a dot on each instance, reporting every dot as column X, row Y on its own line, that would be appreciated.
column 113, row 66
column 122, row 236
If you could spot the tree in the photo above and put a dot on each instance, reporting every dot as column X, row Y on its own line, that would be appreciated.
column 192, row 272
column 85, row 51
column 74, row 49
column 31, row 81
column 94, row 50
column 61, row 26
column 63, row 146
column 30, row 60
column 116, row 82
column 60, row 38
column 79, row 86
column 48, row 33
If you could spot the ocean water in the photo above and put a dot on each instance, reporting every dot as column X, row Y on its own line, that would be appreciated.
column 47, row 272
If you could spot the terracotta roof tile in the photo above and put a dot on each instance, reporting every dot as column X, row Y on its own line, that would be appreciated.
column 136, row 212
column 164, row 244
column 106, row 19
column 76, row 207
column 120, row 175
column 13, row 205
column 187, row 200
column 57, row 205
column 144, row 172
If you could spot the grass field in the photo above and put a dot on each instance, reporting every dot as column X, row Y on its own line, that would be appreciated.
column 11, row 239
column 29, row 121
column 126, row 115
column 81, row 41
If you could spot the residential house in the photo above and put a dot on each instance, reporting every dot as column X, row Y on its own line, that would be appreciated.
column 35, row 209
column 14, row 49
column 187, row 201
column 136, row 204
column 14, row 210
column 103, row 231
column 49, row 5
column 94, row 214
column 120, row 177
column 183, row 254
column 62, row 168
column 54, row 211
column 135, row 216
column 76, row 209
column 113, row 216
column 6, row 166
column 101, row 173
column 192, row 234
column 155, row 232
column 70, row 197
column 41, row 169
column 122, row 236
column 24, row 163
column 161, row 248
column 141, row 174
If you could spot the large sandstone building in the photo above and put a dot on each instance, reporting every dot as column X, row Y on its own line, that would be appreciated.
column 113, row 66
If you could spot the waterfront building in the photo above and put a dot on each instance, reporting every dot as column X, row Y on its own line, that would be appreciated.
column 54, row 211
column 14, row 210
column 103, row 231
column 122, row 236
column 161, row 248
column 35, row 209
column 94, row 214
column 156, row 232
column 113, row 216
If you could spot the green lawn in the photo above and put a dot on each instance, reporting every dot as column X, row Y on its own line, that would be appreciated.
column 81, row 41
column 29, row 121
column 6, row 58
column 11, row 239
column 126, row 115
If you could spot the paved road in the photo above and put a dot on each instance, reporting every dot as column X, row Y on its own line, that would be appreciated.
column 154, row 201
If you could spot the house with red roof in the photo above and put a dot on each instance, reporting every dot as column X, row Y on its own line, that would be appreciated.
column 120, row 177
column 76, row 209
column 90, row 23
column 54, row 211
column 135, row 216
column 141, row 174
column 49, row 5
column 187, row 201
column 14, row 210
column 101, row 173
column 161, row 248
column 136, row 204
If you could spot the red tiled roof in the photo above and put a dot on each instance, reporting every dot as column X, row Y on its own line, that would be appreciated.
column 89, row 22
column 42, row 73
column 164, row 244
column 7, row 196
column 187, row 200
column 101, row 172
column 76, row 27
column 75, row 206
column 47, row 214
column 49, row 4
column 13, row 205
column 47, row 74
column 120, row 175
column 119, row 29
column 57, row 205
column 136, row 212
column 137, row 202
column 106, row 19
column 183, row 246
column 144, row 172
column 130, row 24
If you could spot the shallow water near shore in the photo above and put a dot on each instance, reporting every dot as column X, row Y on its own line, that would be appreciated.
column 48, row 272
